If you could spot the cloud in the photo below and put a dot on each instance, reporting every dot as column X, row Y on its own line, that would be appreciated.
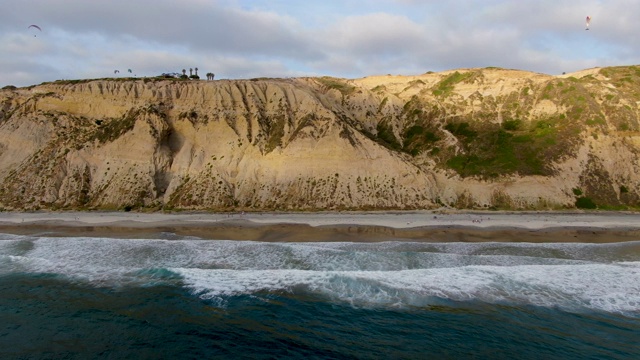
column 373, row 34
column 344, row 38
column 196, row 25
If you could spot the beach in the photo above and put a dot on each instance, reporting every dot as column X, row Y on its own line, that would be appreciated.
column 421, row 226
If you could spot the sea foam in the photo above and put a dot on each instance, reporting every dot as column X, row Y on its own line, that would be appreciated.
column 601, row 277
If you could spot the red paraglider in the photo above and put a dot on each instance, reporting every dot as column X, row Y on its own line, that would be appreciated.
column 588, row 22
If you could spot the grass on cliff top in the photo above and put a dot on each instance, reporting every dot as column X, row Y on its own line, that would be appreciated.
column 623, row 73
column 337, row 84
column 116, row 79
column 446, row 85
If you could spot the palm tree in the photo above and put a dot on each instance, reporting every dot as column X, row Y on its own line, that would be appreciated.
column 190, row 71
column 196, row 69
column 184, row 72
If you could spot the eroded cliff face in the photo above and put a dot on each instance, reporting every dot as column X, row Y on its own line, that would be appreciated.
column 473, row 138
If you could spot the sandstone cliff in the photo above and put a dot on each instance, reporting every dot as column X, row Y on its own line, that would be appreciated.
column 470, row 138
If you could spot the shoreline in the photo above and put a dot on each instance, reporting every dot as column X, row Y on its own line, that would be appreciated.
column 413, row 226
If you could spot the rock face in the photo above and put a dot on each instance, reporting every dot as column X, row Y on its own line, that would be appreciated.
column 470, row 138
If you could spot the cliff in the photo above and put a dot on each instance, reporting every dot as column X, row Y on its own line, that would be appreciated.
column 469, row 138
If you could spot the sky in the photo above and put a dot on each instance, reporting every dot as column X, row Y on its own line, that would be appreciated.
column 240, row 39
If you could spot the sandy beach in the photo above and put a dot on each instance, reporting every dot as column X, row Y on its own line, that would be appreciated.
column 421, row 226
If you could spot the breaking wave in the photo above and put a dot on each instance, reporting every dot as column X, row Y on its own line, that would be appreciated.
column 570, row 276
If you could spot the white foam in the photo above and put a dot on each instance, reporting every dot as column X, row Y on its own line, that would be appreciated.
column 572, row 276
column 604, row 287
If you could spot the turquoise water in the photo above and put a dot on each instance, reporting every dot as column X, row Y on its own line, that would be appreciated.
column 189, row 298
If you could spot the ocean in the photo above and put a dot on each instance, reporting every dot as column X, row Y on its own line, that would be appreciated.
column 186, row 298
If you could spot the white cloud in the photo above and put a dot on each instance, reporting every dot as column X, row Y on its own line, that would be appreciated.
column 345, row 38
column 378, row 34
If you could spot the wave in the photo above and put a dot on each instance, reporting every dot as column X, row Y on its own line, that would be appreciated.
column 611, row 287
column 600, row 277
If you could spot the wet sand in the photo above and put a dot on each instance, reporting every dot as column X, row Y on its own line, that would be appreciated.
column 422, row 226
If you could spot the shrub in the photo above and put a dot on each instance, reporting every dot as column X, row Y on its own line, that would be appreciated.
column 460, row 129
column 116, row 127
column 584, row 202
column 417, row 139
column 386, row 135
column 511, row 125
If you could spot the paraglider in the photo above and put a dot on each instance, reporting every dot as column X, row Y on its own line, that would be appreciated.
column 129, row 71
column 588, row 22
column 35, row 27
column 116, row 71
